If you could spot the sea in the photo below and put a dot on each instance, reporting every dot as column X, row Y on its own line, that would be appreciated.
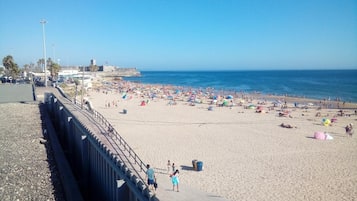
column 316, row 84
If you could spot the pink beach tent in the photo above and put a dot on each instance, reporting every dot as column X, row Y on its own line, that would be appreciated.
column 320, row 135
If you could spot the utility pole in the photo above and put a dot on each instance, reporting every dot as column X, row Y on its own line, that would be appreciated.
column 43, row 22
column 82, row 87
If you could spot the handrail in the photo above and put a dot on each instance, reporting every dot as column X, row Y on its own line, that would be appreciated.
column 102, row 120
column 132, row 153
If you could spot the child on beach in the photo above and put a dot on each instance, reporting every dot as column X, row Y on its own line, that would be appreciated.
column 175, row 180
column 173, row 167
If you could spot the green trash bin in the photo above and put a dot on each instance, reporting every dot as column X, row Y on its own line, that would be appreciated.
column 194, row 164
column 199, row 165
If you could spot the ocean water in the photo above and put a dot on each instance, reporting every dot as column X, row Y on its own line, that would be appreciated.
column 316, row 84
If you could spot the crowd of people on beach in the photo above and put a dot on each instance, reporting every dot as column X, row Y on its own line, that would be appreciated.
column 211, row 96
column 127, row 90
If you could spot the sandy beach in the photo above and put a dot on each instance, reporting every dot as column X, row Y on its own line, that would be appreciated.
column 246, row 154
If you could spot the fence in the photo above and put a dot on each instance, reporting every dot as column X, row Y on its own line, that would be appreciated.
column 105, row 166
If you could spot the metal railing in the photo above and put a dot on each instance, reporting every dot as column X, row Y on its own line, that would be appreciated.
column 123, row 145
column 120, row 148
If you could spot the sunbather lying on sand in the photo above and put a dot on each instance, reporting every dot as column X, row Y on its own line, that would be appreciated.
column 287, row 125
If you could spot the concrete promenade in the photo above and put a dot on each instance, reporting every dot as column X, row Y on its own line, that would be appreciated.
column 10, row 93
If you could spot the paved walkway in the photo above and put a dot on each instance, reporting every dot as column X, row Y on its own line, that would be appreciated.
column 16, row 93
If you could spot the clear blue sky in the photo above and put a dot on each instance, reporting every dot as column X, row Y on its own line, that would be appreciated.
column 184, row 34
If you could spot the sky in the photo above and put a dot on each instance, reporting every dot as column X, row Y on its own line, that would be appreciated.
column 183, row 34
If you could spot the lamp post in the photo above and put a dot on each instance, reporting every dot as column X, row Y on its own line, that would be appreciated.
column 43, row 22
column 82, row 90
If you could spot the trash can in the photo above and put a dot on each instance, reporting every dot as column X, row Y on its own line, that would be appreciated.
column 194, row 164
column 199, row 165
column 125, row 111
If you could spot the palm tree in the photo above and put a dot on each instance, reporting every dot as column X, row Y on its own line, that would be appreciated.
column 54, row 69
column 41, row 63
column 10, row 66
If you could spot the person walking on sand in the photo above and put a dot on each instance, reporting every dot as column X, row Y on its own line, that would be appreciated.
column 168, row 165
column 349, row 129
column 150, row 174
column 175, row 180
column 173, row 167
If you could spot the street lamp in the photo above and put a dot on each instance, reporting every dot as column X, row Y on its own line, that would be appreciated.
column 43, row 22
column 82, row 87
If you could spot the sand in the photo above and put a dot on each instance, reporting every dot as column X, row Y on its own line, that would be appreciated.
column 246, row 155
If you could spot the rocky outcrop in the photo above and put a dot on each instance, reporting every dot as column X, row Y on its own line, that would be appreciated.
column 121, row 72
column 128, row 72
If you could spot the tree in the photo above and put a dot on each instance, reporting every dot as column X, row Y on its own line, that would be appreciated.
column 54, row 69
column 10, row 66
column 49, row 62
column 41, row 63
column 26, row 67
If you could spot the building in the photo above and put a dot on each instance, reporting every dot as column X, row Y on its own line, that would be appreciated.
column 105, row 68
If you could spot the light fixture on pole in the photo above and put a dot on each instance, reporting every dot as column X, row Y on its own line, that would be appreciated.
column 43, row 22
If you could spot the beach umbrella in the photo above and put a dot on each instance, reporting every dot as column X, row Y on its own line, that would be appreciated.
column 276, row 103
column 251, row 106
column 260, row 109
column 225, row 102
column 326, row 122
column 229, row 97
column 319, row 135
column 328, row 136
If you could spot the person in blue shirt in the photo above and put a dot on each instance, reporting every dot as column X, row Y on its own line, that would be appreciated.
column 150, row 174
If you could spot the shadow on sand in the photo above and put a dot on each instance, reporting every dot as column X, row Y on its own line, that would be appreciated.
column 188, row 168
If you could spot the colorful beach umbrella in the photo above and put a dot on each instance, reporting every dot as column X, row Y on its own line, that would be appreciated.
column 229, row 97
column 319, row 135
